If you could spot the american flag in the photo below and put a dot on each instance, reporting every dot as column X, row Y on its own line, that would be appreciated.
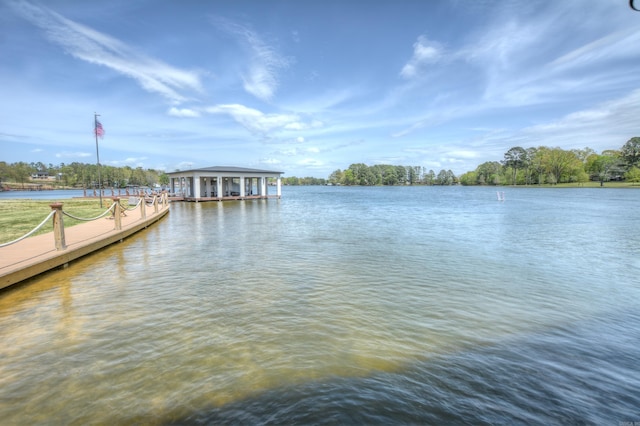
column 99, row 130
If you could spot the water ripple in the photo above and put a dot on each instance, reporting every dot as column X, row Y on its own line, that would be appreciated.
column 339, row 305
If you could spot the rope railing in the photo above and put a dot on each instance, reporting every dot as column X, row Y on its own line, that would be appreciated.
column 116, row 208
column 134, row 207
column 113, row 206
column 34, row 230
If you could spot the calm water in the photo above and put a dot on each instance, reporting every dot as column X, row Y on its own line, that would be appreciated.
column 342, row 305
column 46, row 195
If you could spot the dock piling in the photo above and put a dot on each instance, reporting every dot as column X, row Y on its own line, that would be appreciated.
column 58, row 226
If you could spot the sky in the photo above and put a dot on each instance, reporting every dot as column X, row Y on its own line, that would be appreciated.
column 309, row 87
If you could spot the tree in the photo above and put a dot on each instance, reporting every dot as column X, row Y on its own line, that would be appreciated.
column 4, row 171
column 583, row 154
column 559, row 163
column 414, row 174
column 602, row 166
column 163, row 179
column 347, row 177
column 633, row 175
column 360, row 174
column 336, row 177
column 442, row 178
column 532, row 165
column 630, row 152
column 490, row 173
column 451, row 177
column 446, row 177
column 22, row 172
column 430, row 178
column 469, row 178
column 515, row 158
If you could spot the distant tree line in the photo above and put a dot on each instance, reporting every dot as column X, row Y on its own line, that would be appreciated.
column 80, row 175
column 545, row 165
column 519, row 166
column 303, row 181
column 384, row 174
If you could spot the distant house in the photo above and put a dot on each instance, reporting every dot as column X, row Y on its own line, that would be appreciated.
column 220, row 183
column 40, row 176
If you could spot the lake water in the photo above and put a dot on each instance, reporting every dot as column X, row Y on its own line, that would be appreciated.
column 55, row 194
column 337, row 305
column 44, row 195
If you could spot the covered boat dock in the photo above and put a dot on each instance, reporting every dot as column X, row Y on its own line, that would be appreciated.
column 224, row 183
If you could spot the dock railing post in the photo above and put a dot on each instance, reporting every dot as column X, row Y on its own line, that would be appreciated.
column 58, row 226
column 155, row 204
column 143, row 207
column 117, row 214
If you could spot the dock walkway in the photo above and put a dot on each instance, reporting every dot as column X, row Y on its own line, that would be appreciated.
column 38, row 254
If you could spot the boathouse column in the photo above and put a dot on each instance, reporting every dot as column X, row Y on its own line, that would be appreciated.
column 219, row 186
column 263, row 186
column 279, row 186
column 196, row 187
column 188, row 186
column 242, row 192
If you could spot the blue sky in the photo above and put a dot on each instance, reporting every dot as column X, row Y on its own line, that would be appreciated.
column 308, row 87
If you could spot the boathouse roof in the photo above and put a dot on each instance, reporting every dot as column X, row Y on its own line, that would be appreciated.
column 226, row 169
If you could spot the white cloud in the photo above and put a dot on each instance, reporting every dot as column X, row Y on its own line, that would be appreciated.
column 73, row 155
column 463, row 154
column 261, row 77
column 451, row 160
column 620, row 44
column 595, row 127
column 295, row 35
column 183, row 112
column 270, row 161
column 424, row 52
column 291, row 152
column 260, row 123
column 527, row 60
column 94, row 47
column 311, row 162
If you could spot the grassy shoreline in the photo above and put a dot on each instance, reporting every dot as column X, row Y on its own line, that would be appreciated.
column 589, row 184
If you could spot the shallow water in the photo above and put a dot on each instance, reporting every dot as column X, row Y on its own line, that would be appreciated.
column 342, row 305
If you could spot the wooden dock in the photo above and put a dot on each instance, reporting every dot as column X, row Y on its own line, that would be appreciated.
column 38, row 254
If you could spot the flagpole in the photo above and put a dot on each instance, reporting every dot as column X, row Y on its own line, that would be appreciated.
column 95, row 130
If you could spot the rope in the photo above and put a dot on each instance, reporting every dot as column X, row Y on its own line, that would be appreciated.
column 73, row 217
column 134, row 207
column 32, row 231
column 93, row 218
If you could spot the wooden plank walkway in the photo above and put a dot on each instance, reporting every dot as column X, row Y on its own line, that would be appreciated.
column 38, row 254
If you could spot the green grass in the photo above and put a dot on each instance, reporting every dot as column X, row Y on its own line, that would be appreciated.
column 19, row 217
column 589, row 184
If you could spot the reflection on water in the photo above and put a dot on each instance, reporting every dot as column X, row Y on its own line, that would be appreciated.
column 365, row 305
